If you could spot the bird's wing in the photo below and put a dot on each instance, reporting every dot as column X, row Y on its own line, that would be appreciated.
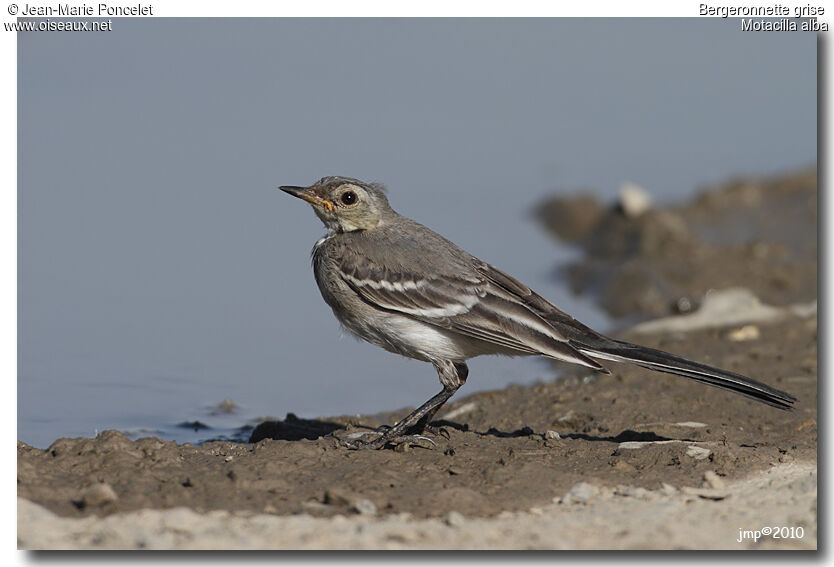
column 564, row 324
column 436, row 299
column 469, row 303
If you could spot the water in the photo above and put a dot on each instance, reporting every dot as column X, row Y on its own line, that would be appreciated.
column 161, row 273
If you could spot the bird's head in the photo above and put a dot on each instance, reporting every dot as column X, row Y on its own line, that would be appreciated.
column 344, row 204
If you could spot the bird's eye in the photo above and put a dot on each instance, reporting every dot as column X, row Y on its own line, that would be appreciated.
column 349, row 197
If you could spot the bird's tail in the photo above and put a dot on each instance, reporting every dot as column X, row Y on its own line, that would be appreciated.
column 653, row 359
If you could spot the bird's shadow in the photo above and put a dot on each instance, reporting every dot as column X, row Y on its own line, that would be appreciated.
column 294, row 428
column 623, row 436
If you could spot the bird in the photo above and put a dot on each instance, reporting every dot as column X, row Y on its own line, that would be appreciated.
column 401, row 286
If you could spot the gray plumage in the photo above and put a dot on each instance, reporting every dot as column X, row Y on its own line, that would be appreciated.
column 397, row 284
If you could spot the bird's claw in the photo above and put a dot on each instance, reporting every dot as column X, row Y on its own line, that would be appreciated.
column 384, row 439
column 437, row 431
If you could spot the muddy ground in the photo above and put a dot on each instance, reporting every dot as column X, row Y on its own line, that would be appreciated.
column 760, row 234
column 524, row 448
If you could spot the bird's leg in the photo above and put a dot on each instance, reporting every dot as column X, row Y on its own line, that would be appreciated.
column 424, row 423
column 452, row 376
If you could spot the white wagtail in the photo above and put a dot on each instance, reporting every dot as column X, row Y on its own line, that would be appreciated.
column 405, row 288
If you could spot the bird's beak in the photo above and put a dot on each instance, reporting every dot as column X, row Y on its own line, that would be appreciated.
column 306, row 194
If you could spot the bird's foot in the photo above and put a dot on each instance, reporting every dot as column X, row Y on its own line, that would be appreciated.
column 416, row 430
column 437, row 431
column 385, row 441
column 386, row 436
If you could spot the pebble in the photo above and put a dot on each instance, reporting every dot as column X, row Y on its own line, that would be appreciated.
column 706, row 493
column 99, row 495
column 454, row 519
column 698, row 453
column 631, row 445
column 634, row 200
column 693, row 424
column 684, row 305
column 668, row 490
column 550, row 434
column 712, row 480
column 580, row 493
column 364, row 507
column 745, row 333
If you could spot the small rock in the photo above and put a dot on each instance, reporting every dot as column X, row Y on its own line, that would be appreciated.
column 631, row 445
column 668, row 490
column 352, row 501
column 634, row 200
column 698, row 453
column 550, row 434
column 706, row 493
column 745, row 333
column 364, row 507
column 712, row 480
column 99, row 495
column 580, row 493
column 229, row 459
column 683, row 305
column 337, row 497
column 454, row 519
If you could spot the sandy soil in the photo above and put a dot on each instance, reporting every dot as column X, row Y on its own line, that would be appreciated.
column 634, row 459
column 623, row 517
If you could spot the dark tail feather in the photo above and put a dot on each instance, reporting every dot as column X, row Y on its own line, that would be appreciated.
column 620, row 351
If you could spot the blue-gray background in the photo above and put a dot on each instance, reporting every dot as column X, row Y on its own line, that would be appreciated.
column 160, row 272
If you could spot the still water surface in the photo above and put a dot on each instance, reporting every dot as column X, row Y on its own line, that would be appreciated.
column 161, row 273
